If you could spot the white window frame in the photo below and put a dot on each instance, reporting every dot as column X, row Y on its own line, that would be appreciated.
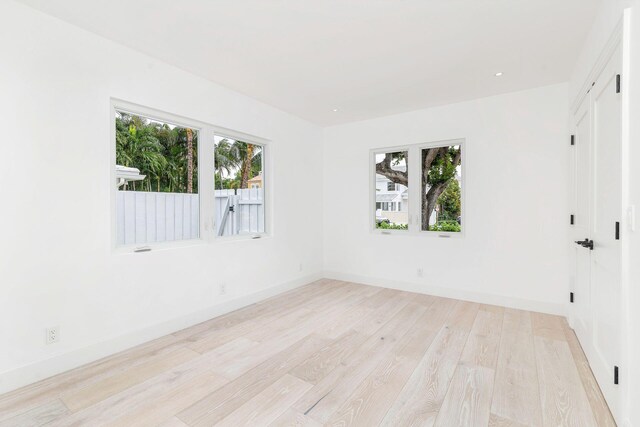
column 206, row 169
column 414, row 208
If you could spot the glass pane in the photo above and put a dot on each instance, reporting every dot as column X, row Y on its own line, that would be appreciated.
column 157, row 181
column 442, row 189
column 392, row 196
column 239, row 187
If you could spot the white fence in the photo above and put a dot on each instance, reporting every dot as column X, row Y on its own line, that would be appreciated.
column 239, row 211
column 147, row 217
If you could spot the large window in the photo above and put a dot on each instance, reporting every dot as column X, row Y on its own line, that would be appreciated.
column 430, row 174
column 441, row 177
column 177, row 180
column 157, row 181
column 239, row 187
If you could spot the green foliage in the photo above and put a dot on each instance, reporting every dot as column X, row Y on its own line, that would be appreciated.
column 223, row 183
column 398, row 157
column 391, row 226
column 443, row 167
column 450, row 202
column 158, row 150
column 452, row 226
column 229, row 157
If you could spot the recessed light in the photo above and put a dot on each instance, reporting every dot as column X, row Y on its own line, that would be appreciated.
column 335, row 110
column 498, row 74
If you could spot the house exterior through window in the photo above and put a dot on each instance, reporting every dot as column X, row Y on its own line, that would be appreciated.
column 437, row 204
column 392, row 199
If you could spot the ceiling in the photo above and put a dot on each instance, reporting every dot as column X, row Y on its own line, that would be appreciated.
column 365, row 58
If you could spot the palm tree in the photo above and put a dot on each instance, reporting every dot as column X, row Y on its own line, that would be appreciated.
column 189, row 160
column 247, row 153
column 137, row 146
column 227, row 157
column 246, row 166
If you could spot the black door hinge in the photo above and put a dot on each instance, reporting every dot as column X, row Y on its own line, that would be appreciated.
column 571, row 297
column 573, row 140
column 615, row 375
column 617, row 230
column 617, row 83
column 232, row 208
column 571, row 219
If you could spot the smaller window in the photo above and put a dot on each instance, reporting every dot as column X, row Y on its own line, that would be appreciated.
column 391, row 167
column 239, row 187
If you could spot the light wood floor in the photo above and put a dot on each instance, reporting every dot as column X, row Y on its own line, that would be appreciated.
column 334, row 353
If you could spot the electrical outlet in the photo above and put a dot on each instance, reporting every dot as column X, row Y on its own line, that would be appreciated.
column 420, row 272
column 52, row 335
column 223, row 289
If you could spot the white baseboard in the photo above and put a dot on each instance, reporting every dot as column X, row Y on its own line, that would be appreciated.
column 462, row 294
column 33, row 372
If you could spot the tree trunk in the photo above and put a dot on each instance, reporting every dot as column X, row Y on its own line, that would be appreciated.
column 429, row 201
column 384, row 168
column 430, row 198
column 246, row 166
column 189, row 161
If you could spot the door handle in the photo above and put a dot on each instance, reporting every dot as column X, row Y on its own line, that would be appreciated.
column 586, row 243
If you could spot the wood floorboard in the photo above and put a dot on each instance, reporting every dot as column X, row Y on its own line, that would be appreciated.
column 293, row 418
column 368, row 404
column 331, row 392
column 334, row 353
column 422, row 396
column 220, row 403
column 468, row 399
column 516, row 397
column 564, row 400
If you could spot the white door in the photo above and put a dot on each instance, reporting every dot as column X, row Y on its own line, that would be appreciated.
column 581, row 221
column 606, row 213
column 596, row 314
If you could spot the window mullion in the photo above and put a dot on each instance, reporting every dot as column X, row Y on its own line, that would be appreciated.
column 206, row 183
column 414, row 189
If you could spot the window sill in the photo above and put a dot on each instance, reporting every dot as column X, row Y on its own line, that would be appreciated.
column 429, row 234
column 241, row 237
column 155, row 247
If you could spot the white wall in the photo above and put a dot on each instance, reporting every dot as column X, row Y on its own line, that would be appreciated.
column 608, row 18
column 56, row 264
column 516, row 217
